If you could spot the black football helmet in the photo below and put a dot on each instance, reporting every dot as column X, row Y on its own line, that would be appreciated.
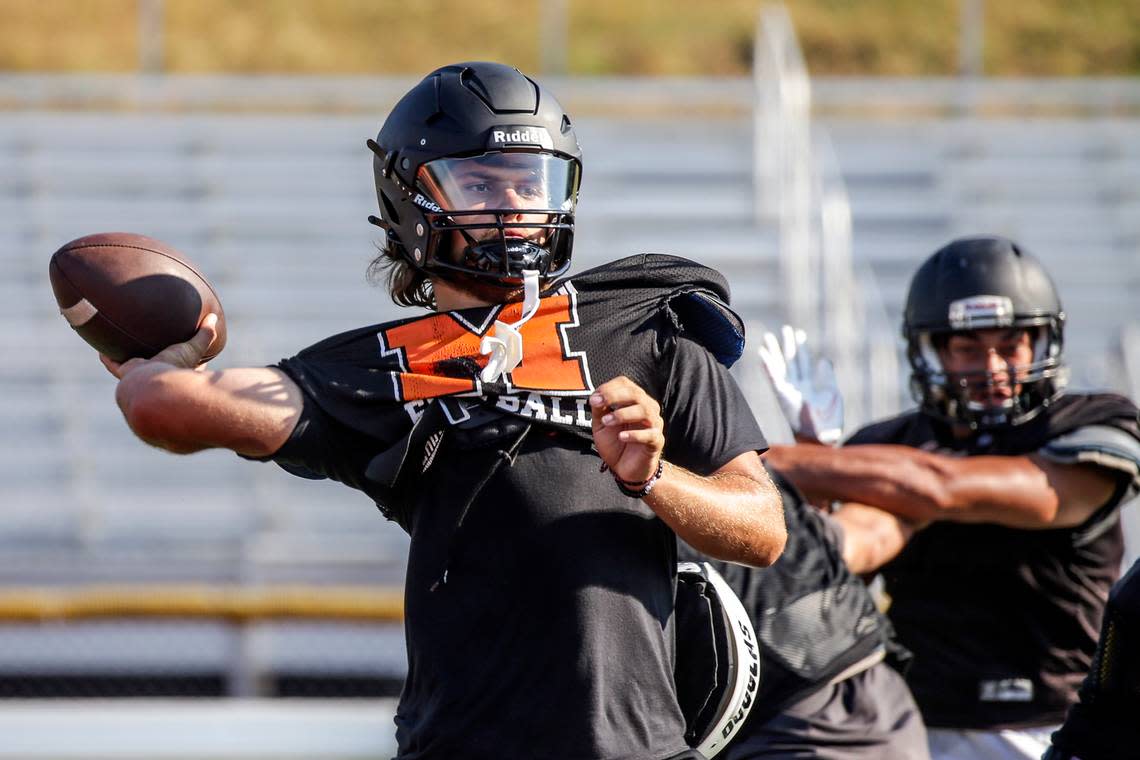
column 477, row 174
column 972, row 284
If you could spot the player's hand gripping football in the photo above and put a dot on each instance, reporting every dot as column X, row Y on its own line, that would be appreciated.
column 187, row 355
column 629, row 431
column 808, row 392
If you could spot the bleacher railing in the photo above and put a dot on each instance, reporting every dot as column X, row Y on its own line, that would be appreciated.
column 800, row 187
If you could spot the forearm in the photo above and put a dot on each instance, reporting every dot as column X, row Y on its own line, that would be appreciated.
column 142, row 395
column 733, row 516
column 251, row 411
column 888, row 477
column 920, row 486
column 871, row 537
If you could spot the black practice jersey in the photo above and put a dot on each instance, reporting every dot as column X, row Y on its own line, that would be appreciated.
column 1003, row 622
column 538, row 598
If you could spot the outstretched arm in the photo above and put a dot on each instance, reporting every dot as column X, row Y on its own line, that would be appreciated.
column 1018, row 491
column 871, row 537
column 173, row 403
column 734, row 514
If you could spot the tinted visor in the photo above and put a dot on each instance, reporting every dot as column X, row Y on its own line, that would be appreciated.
column 501, row 181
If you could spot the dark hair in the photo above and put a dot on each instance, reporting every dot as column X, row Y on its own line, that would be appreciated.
column 406, row 285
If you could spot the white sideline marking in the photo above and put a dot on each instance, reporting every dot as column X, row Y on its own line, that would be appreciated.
column 203, row 729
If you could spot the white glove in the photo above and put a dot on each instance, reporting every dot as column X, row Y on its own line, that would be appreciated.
column 809, row 395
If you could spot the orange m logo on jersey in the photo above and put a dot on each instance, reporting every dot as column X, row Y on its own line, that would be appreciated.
column 439, row 355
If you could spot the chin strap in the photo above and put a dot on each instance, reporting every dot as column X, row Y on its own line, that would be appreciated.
column 505, row 346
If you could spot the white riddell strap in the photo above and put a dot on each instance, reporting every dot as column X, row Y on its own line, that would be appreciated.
column 505, row 346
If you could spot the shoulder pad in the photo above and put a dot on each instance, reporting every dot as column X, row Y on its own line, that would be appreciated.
column 1096, row 444
column 695, row 297
column 712, row 323
column 654, row 270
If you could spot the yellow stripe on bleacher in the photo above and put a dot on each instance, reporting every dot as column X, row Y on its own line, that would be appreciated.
column 235, row 603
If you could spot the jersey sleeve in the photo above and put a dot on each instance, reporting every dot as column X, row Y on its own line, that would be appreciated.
column 321, row 447
column 1103, row 446
column 707, row 421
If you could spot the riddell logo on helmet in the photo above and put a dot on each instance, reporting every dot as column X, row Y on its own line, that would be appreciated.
column 426, row 203
column 981, row 311
column 517, row 136
column 521, row 135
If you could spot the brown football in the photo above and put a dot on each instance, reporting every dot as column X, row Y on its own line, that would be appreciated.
column 132, row 296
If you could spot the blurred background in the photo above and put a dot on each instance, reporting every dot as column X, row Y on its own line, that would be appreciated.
column 814, row 152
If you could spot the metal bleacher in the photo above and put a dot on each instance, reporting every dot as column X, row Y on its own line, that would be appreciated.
column 273, row 206
column 1066, row 188
column 275, row 231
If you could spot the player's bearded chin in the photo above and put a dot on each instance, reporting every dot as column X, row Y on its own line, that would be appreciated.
column 488, row 292
column 484, row 290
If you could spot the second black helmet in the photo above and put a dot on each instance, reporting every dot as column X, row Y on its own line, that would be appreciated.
column 980, row 283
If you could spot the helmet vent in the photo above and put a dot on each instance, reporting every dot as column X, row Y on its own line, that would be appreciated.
column 502, row 90
column 436, row 84
column 468, row 80
column 566, row 125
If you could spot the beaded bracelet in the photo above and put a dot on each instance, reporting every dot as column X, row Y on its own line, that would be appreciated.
column 637, row 490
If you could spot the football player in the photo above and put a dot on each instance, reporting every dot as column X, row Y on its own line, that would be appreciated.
column 1000, row 598
column 1103, row 725
column 542, row 439
column 829, row 660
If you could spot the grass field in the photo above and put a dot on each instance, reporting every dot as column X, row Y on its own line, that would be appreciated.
column 634, row 37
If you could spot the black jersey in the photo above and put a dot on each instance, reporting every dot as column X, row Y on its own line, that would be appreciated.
column 538, row 598
column 379, row 382
column 1003, row 622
